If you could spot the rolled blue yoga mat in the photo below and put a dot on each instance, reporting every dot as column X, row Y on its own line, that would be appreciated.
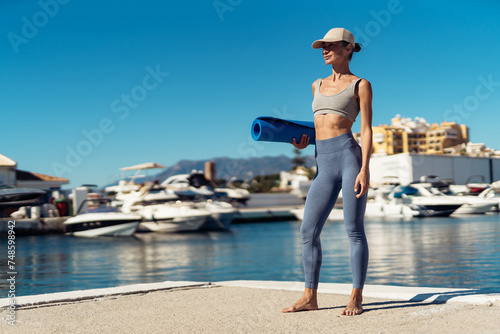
column 281, row 130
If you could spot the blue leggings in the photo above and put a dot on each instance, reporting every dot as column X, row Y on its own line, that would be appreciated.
column 338, row 162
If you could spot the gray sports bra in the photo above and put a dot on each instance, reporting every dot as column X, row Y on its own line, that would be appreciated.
column 343, row 103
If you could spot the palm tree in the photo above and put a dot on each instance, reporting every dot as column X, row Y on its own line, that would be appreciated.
column 298, row 160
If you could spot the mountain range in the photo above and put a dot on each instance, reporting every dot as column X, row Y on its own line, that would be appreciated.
column 230, row 168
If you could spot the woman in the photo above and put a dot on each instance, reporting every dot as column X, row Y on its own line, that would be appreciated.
column 341, row 164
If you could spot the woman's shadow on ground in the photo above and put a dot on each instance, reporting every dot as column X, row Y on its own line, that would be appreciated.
column 420, row 299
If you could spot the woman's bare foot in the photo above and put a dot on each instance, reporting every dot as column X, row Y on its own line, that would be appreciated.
column 301, row 305
column 308, row 302
column 355, row 303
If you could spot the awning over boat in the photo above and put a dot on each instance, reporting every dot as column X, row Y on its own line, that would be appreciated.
column 146, row 165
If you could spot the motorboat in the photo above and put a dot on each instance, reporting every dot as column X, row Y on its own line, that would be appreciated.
column 130, row 189
column 175, row 205
column 148, row 194
column 475, row 188
column 194, row 186
column 170, row 217
column 471, row 188
column 189, row 186
column 100, row 219
column 470, row 204
column 441, row 189
column 109, row 222
column 10, row 196
column 422, row 202
column 221, row 213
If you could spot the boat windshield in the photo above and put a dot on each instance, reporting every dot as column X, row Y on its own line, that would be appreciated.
column 102, row 209
column 405, row 190
column 97, row 205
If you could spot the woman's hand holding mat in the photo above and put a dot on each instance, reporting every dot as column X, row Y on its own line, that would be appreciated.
column 303, row 143
column 281, row 130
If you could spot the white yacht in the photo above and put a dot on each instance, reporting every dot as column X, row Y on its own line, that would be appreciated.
column 148, row 194
column 470, row 204
column 170, row 217
column 470, row 188
column 102, row 220
column 422, row 201
column 195, row 185
column 149, row 191
column 10, row 196
column 189, row 185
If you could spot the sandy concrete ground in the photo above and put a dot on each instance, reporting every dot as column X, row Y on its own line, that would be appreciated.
column 228, row 309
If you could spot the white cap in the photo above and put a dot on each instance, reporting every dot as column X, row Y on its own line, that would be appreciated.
column 335, row 35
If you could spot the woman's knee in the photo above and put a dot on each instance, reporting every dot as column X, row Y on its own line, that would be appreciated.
column 307, row 232
column 304, row 231
column 355, row 230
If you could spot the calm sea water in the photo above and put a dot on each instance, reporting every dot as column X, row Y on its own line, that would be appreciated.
column 455, row 252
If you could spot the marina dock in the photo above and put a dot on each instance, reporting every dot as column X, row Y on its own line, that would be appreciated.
column 253, row 307
column 262, row 214
column 261, row 208
column 29, row 226
column 55, row 225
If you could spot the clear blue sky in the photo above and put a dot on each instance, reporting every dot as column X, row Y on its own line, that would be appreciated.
column 76, row 75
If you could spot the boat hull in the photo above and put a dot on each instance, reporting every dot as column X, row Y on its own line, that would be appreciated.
column 19, row 195
column 438, row 210
column 169, row 225
column 118, row 229
column 218, row 221
column 102, row 224
column 476, row 208
column 388, row 210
